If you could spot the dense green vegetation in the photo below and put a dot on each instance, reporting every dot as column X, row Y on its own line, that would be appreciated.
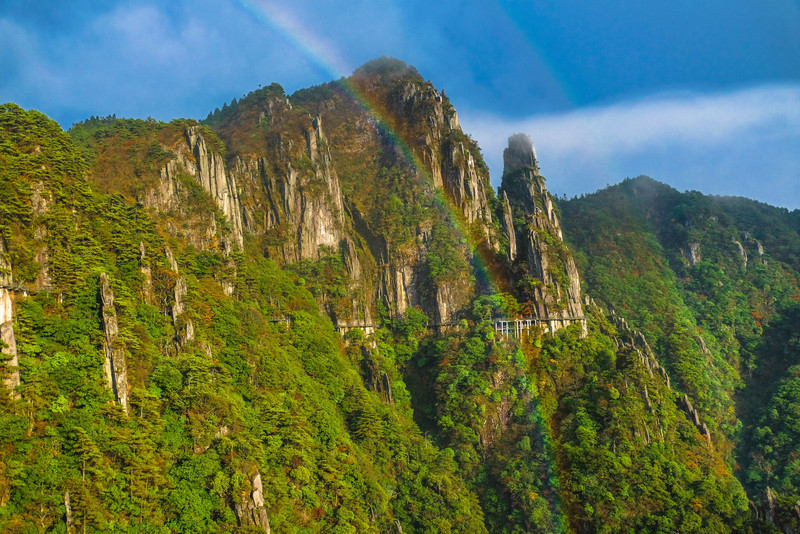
column 246, row 396
column 713, row 282
column 244, row 402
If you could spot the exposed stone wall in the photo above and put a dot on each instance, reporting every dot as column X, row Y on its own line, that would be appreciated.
column 250, row 509
column 539, row 240
column 7, row 322
column 115, row 364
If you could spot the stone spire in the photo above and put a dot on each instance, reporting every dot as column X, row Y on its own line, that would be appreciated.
column 519, row 154
column 540, row 242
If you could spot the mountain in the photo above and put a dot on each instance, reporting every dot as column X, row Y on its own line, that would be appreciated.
column 313, row 313
column 713, row 284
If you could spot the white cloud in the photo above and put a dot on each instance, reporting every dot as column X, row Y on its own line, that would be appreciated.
column 709, row 142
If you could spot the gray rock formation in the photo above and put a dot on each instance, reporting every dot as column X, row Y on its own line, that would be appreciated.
column 250, row 509
column 556, row 286
column 41, row 199
column 695, row 254
column 209, row 169
column 302, row 202
column 184, row 328
column 320, row 212
column 449, row 161
column 9, row 340
column 193, row 158
column 741, row 251
column 68, row 511
column 520, row 154
column 147, row 273
column 463, row 184
column 784, row 515
column 7, row 322
column 115, row 364
column 508, row 227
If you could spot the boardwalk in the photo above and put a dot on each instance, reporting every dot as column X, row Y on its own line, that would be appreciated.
column 515, row 327
column 502, row 326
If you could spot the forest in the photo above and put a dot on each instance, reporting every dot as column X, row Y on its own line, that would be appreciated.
column 284, row 319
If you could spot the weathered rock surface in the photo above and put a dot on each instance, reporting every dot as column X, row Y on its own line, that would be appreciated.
column 209, row 169
column 184, row 327
column 193, row 159
column 784, row 515
column 250, row 509
column 508, row 227
column 297, row 195
column 147, row 273
column 115, row 364
column 7, row 322
column 556, row 285
column 463, row 183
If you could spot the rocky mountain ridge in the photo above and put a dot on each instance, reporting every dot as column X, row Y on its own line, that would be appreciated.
column 282, row 318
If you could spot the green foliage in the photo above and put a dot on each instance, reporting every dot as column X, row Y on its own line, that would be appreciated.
column 435, row 428
column 258, row 98
column 446, row 261
column 265, row 386
column 716, row 302
column 384, row 67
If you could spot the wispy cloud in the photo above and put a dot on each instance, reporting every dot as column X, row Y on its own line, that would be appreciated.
column 714, row 143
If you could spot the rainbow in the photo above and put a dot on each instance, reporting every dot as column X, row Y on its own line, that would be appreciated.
column 323, row 55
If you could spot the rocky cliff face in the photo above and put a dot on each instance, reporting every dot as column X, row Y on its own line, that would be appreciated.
column 299, row 191
column 294, row 198
column 444, row 149
column 7, row 322
column 193, row 160
column 115, row 364
column 184, row 328
column 209, row 170
column 534, row 232
column 303, row 187
column 250, row 509
column 422, row 135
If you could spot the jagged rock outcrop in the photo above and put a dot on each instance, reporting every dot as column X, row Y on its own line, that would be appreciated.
column 210, row 172
column 115, row 364
column 508, row 227
column 184, row 327
column 193, row 158
column 463, row 183
column 250, row 509
column 782, row 514
column 444, row 149
column 742, row 253
column 7, row 322
column 430, row 123
column 68, row 511
column 292, row 201
column 555, row 284
column 41, row 199
column 302, row 206
column 320, row 210
column 694, row 254
column 147, row 273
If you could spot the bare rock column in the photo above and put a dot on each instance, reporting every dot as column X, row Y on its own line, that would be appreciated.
column 115, row 364
column 549, row 263
column 7, row 322
column 250, row 509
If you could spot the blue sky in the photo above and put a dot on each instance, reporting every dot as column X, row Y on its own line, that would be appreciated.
column 699, row 95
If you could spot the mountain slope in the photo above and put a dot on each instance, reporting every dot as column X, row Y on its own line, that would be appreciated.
column 313, row 314
column 713, row 283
